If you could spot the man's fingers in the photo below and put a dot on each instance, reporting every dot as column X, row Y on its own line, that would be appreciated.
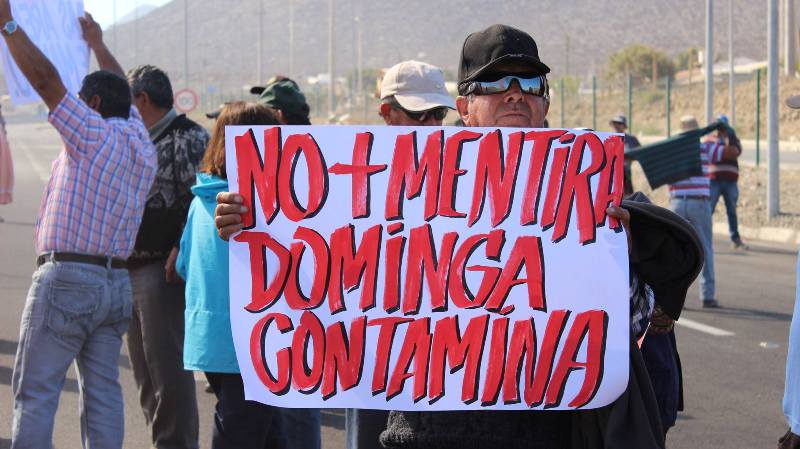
column 227, row 216
column 226, row 232
column 229, row 209
column 619, row 213
column 227, row 225
column 229, row 198
column 226, row 219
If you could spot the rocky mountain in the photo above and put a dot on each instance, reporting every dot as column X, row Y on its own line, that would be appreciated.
column 574, row 36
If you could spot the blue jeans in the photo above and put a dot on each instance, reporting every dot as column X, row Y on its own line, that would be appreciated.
column 300, row 426
column 697, row 212
column 730, row 195
column 791, row 394
column 74, row 311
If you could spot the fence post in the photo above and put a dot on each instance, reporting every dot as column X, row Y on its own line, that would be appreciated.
column 594, row 102
column 561, row 101
column 630, row 104
column 758, row 117
column 669, row 106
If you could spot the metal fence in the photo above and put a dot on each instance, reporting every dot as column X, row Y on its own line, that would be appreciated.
column 654, row 109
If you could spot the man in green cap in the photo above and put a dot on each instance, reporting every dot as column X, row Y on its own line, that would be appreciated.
column 283, row 95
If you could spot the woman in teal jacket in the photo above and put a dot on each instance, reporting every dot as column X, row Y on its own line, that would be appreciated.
column 203, row 263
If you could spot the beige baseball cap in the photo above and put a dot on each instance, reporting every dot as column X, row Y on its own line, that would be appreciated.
column 417, row 86
column 689, row 123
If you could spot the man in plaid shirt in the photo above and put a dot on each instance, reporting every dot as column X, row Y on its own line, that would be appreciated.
column 79, row 304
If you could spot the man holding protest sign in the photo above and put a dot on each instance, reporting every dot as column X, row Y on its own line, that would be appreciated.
column 503, row 85
column 79, row 304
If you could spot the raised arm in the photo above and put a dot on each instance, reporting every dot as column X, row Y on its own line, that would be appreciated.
column 93, row 35
column 33, row 64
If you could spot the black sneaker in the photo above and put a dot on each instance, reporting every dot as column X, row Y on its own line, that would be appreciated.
column 789, row 441
column 710, row 304
column 739, row 244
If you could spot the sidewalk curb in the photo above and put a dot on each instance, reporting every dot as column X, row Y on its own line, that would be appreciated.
column 765, row 233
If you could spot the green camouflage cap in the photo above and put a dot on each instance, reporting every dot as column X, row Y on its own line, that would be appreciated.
column 284, row 94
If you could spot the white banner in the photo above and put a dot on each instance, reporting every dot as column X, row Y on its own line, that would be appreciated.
column 53, row 26
column 429, row 268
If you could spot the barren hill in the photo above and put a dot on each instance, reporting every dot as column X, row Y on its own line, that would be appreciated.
column 223, row 34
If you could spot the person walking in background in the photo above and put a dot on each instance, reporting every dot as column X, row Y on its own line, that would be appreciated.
column 619, row 123
column 203, row 262
column 689, row 198
column 6, row 166
column 724, row 182
column 155, row 338
column 79, row 303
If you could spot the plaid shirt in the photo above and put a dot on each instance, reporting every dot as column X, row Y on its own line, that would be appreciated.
column 98, row 184
column 642, row 301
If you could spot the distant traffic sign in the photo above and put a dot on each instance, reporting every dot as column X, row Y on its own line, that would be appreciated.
column 186, row 100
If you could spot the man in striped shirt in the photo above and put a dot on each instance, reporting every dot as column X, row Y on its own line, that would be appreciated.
column 724, row 182
column 79, row 304
column 689, row 198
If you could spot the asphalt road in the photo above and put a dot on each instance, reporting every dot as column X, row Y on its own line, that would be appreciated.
column 733, row 358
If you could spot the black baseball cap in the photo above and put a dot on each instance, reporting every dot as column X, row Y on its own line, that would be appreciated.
column 497, row 44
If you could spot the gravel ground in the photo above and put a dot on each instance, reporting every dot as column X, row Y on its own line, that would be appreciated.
column 752, row 208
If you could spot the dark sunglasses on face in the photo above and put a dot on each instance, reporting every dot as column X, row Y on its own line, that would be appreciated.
column 534, row 86
column 438, row 113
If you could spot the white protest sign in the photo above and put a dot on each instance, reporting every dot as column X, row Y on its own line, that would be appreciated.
column 53, row 26
column 429, row 268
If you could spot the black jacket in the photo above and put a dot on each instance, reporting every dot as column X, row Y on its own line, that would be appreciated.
column 180, row 149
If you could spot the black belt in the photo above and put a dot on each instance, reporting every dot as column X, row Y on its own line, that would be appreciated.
column 81, row 258
column 690, row 197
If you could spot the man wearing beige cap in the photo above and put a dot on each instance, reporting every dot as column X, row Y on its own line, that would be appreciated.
column 689, row 198
column 791, row 393
column 413, row 94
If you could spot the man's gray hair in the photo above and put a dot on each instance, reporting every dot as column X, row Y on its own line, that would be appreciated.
column 154, row 82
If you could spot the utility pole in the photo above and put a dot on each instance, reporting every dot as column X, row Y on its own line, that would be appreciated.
column 709, row 61
column 359, row 60
column 186, row 43
column 331, row 47
column 790, row 38
column 654, row 76
column 291, row 38
column 260, row 56
column 731, row 66
column 773, row 190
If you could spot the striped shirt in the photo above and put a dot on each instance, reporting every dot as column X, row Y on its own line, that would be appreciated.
column 710, row 152
column 98, row 183
column 726, row 170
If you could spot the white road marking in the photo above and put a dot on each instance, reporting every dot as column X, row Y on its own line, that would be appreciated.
column 705, row 328
column 44, row 175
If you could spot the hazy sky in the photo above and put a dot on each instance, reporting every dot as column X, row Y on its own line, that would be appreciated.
column 103, row 10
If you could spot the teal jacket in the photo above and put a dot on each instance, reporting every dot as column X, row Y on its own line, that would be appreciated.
column 203, row 264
